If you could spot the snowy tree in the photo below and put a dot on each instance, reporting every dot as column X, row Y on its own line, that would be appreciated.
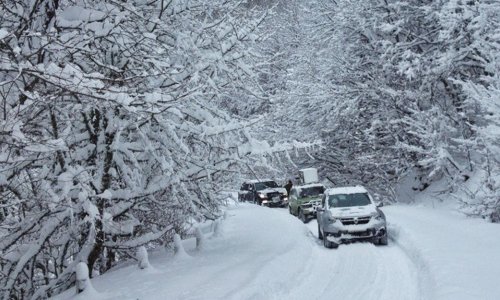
column 111, row 136
column 382, row 83
column 481, row 89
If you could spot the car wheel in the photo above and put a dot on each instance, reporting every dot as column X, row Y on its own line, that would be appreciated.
column 303, row 217
column 383, row 241
column 320, row 235
column 329, row 244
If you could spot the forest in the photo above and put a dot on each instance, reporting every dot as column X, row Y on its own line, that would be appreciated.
column 123, row 123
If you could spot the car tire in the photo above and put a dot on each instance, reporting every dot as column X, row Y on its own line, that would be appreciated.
column 303, row 217
column 320, row 235
column 383, row 241
column 328, row 244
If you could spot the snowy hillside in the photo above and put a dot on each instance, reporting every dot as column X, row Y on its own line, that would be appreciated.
column 266, row 253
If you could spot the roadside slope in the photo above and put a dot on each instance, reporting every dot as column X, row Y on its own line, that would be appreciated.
column 460, row 256
column 254, row 257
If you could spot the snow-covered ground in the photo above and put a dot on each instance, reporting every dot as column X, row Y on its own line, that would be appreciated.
column 266, row 253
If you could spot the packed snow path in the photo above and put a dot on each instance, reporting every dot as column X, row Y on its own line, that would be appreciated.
column 266, row 253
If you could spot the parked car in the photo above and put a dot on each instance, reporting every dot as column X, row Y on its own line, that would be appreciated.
column 349, row 214
column 263, row 192
column 304, row 200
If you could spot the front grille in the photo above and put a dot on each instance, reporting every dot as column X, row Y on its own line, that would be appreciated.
column 355, row 221
column 271, row 195
column 361, row 233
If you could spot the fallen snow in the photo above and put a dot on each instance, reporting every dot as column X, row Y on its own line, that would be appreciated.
column 346, row 190
column 266, row 253
column 3, row 33
column 460, row 255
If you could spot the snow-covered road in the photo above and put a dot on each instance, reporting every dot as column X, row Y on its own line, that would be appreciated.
column 268, row 254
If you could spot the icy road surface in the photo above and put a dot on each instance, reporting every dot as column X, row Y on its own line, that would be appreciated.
column 266, row 253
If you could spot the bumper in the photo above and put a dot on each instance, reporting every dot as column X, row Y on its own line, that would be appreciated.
column 309, row 211
column 282, row 202
column 346, row 236
column 339, row 233
column 310, row 208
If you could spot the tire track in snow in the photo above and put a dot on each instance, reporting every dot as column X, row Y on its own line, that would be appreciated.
column 362, row 271
column 403, row 241
column 272, row 270
column 301, row 268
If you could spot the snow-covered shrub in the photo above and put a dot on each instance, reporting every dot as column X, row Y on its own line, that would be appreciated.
column 142, row 258
column 200, row 239
column 179, row 251
column 218, row 230
column 83, row 283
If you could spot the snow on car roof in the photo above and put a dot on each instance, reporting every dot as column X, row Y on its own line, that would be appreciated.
column 346, row 190
column 305, row 186
column 258, row 180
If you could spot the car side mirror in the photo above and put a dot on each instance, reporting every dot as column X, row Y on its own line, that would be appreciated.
column 379, row 204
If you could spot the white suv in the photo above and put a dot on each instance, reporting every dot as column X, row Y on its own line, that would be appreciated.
column 349, row 214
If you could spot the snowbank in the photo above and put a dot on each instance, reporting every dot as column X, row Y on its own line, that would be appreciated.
column 459, row 257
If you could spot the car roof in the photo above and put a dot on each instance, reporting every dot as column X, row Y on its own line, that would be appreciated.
column 258, row 180
column 309, row 185
column 346, row 190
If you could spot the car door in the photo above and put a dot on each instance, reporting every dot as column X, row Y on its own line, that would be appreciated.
column 321, row 211
column 242, row 193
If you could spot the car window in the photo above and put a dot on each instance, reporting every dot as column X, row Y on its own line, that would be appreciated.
column 312, row 191
column 244, row 187
column 348, row 200
column 265, row 185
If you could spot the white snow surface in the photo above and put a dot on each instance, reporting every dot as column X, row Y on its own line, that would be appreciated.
column 346, row 190
column 305, row 186
column 355, row 211
column 3, row 33
column 265, row 253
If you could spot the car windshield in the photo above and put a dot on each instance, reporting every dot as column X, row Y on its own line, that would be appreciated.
column 311, row 191
column 348, row 200
column 265, row 184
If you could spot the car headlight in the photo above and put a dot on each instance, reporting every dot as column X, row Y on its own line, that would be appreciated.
column 332, row 219
column 261, row 196
column 377, row 216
